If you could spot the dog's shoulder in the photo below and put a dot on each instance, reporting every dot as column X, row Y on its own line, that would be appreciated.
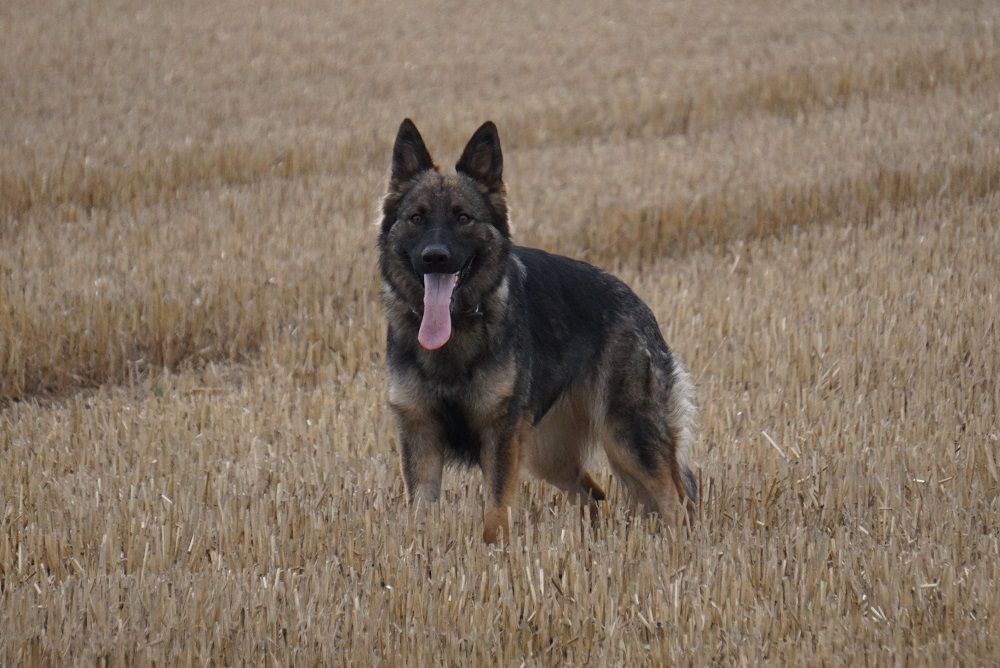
column 569, row 290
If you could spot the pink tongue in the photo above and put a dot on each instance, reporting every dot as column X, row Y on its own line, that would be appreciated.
column 435, row 328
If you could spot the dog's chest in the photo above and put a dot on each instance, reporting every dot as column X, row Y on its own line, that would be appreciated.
column 482, row 396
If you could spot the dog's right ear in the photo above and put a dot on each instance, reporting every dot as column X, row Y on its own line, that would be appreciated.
column 409, row 154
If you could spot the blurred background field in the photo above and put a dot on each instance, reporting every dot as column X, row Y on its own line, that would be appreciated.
column 196, row 463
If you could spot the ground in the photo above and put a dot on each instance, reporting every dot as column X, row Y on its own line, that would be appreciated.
column 196, row 460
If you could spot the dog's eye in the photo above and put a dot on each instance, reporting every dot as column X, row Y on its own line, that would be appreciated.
column 416, row 219
column 464, row 219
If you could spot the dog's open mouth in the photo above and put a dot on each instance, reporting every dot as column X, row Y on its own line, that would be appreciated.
column 435, row 324
column 463, row 273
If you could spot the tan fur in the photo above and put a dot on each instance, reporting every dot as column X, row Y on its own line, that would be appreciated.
column 681, row 412
column 423, row 465
column 557, row 448
column 501, row 464
column 481, row 396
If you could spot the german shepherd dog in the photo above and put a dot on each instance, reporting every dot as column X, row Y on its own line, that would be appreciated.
column 511, row 357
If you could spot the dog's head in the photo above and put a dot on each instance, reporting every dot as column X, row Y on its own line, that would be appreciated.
column 445, row 237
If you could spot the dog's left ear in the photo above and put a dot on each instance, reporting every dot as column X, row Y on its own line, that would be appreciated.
column 482, row 159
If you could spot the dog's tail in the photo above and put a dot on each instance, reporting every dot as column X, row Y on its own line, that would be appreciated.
column 690, row 483
column 682, row 415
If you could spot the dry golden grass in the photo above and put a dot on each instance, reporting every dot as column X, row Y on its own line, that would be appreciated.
column 196, row 461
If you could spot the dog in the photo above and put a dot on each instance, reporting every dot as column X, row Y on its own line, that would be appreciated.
column 513, row 358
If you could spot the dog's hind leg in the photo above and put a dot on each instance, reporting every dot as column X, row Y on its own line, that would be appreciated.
column 591, row 488
column 582, row 489
column 651, row 486
column 647, row 461
column 649, row 414
column 589, row 494
column 557, row 451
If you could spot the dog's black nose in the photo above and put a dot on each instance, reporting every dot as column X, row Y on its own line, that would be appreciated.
column 435, row 256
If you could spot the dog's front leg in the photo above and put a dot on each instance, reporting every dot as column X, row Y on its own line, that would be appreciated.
column 500, row 460
column 421, row 454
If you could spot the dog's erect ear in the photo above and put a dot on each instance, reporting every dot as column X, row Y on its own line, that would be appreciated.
column 482, row 159
column 409, row 155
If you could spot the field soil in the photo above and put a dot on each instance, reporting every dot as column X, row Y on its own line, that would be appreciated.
column 197, row 463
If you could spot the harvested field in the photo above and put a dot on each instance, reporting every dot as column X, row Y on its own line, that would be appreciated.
column 196, row 461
